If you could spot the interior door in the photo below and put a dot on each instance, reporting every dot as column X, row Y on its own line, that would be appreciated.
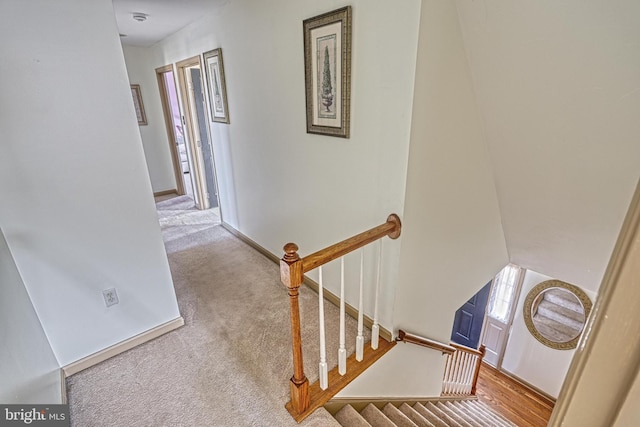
column 204, row 140
column 505, row 291
column 468, row 320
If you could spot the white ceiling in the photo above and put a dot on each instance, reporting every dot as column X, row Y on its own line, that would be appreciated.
column 558, row 86
column 164, row 17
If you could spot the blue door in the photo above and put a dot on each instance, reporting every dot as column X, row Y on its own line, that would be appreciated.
column 467, row 324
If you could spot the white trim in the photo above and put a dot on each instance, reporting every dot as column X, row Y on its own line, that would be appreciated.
column 121, row 347
column 63, row 387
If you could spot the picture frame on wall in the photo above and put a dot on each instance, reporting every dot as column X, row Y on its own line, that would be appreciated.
column 138, row 105
column 214, row 68
column 327, row 71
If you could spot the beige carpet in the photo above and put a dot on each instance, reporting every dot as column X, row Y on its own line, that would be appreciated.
column 230, row 364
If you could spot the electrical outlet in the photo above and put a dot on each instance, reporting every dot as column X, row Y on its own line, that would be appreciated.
column 110, row 297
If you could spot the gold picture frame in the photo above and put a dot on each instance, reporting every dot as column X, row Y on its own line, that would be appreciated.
column 136, row 93
column 214, row 68
column 327, row 71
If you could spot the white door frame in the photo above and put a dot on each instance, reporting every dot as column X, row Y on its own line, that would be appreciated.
column 190, row 120
column 168, row 120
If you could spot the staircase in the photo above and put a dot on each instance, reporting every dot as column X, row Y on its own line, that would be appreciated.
column 439, row 413
column 559, row 315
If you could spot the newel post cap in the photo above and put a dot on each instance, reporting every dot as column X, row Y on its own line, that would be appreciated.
column 291, row 253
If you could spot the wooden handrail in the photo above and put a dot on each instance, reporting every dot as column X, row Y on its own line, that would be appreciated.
column 390, row 228
column 292, row 269
column 425, row 342
column 467, row 349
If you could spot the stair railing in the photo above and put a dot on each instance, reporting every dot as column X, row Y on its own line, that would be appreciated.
column 461, row 368
column 425, row 342
column 292, row 271
column 461, row 371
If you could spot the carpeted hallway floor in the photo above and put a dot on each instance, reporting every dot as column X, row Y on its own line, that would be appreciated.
column 231, row 362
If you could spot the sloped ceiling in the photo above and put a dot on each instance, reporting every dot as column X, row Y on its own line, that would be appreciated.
column 558, row 87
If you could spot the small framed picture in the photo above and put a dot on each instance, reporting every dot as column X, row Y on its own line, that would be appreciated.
column 327, row 71
column 138, row 105
column 217, row 86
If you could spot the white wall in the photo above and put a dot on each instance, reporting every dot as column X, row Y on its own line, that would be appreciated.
column 29, row 370
column 527, row 358
column 154, row 138
column 452, row 242
column 77, row 207
column 276, row 182
column 557, row 84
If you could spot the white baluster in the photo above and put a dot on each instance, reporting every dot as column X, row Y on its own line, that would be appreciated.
column 342, row 351
column 360, row 338
column 465, row 377
column 447, row 375
column 324, row 376
column 465, row 373
column 459, row 366
column 375, row 328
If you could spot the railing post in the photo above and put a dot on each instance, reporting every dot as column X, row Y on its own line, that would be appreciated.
column 482, row 350
column 292, row 275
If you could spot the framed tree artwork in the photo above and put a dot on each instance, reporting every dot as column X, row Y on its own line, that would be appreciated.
column 217, row 86
column 327, row 70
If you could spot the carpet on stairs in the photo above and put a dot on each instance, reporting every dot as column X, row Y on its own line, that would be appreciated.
column 436, row 413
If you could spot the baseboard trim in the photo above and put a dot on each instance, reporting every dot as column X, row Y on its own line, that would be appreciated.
column 63, row 386
column 165, row 193
column 250, row 242
column 329, row 296
column 543, row 396
column 121, row 347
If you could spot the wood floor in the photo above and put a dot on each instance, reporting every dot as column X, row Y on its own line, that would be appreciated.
column 513, row 400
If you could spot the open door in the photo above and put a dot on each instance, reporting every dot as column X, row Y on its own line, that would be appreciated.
column 197, row 132
column 180, row 155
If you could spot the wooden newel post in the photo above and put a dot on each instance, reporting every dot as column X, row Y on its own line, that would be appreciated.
column 482, row 350
column 292, row 276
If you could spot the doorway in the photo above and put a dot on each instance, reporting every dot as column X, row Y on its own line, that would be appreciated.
column 468, row 320
column 196, row 126
column 180, row 154
column 505, row 292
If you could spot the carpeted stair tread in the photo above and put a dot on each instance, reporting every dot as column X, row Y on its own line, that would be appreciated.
column 564, row 299
column 466, row 413
column 490, row 413
column 462, row 412
column 395, row 415
column 415, row 416
column 485, row 418
column 348, row 416
column 376, row 417
column 430, row 416
column 454, row 414
column 442, row 415
column 561, row 314
column 554, row 330
column 434, row 413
